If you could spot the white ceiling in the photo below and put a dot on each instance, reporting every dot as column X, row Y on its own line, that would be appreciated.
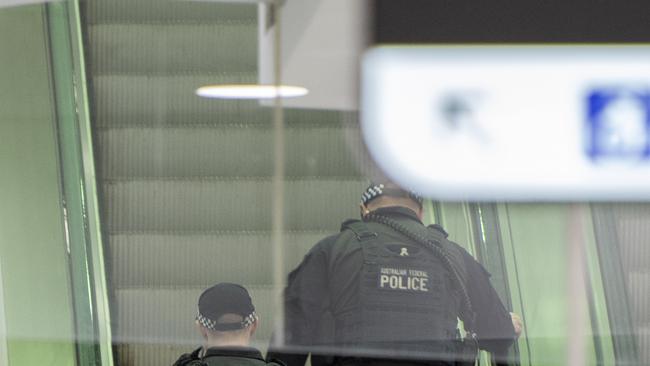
column 8, row 3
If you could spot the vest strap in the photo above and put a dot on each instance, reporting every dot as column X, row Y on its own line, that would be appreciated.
column 360, row 229
column 190, row 358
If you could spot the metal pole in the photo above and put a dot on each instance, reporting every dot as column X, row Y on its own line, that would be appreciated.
column 278, row 177
column 576, row 286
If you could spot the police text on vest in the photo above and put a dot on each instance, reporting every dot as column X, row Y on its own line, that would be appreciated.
column 403, row 279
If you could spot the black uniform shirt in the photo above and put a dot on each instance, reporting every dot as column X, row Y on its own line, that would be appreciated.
column 230, row 356
column 309, row 292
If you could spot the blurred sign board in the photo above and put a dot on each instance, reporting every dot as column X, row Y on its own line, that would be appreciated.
column 511, row 122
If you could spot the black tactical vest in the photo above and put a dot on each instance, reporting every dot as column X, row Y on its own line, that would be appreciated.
column 406, row 293
column 236, row 361
column 193, row 359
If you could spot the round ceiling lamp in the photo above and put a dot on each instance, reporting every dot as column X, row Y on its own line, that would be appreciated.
column 250, row 91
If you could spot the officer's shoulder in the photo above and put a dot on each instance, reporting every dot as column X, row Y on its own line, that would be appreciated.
column 320, row 252
column 349, row 224
column 461, row 252
column 317, row 255
column 324, row 244
column 472, row 266
column 439, row 230
column 187, row 358
column 351, row 232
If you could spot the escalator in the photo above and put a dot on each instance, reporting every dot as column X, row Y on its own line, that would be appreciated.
column 633, row 231
column 623, row 232
column 186, row 182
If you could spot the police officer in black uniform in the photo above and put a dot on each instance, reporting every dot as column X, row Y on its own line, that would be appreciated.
column 387, row 290
column 227, row 321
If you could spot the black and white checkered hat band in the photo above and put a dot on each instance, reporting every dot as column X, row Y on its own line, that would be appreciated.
column 371, row 193
column 213, row 325
column 377, row 190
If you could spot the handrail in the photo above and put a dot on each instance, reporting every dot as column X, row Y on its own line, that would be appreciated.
column 606, row 258
column 91, row 197
column 94, row 344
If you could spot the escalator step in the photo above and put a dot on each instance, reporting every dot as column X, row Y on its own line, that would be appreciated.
column 158, row 100
column 151, row 260
column 228, row 151
column 227, row 204
column 173, row 48
column 147, row 11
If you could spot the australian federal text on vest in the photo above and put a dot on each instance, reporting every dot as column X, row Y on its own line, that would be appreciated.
column 403, row 279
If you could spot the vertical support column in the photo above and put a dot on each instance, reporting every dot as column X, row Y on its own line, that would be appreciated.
column 278, row 171
column 576, row 291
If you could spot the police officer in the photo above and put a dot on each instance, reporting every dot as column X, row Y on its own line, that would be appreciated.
column 227, row 321
column 388, row 290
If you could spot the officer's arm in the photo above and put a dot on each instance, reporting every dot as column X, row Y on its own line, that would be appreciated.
column 493, row 324
column 305, row 300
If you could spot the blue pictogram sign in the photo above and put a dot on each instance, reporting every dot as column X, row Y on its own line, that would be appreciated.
column 618, row 121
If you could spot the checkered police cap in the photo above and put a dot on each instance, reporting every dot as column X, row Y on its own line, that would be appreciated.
column 375, row 190
column 222, row 299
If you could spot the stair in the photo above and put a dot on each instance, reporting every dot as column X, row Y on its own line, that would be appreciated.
column 186, row 182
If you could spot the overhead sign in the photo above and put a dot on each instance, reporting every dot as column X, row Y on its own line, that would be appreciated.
column 511, row 122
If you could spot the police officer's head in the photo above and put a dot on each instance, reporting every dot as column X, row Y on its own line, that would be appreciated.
column 226, row 315
column 385, row 194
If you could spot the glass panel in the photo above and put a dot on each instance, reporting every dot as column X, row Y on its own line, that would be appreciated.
column 337, row 304
column 189, row 185
column 489, row 247
column 194, row 192
column 36, row 305
column 78, row 186
column 490, row 253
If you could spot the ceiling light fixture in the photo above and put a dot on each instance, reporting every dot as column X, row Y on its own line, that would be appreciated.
column 250, row 91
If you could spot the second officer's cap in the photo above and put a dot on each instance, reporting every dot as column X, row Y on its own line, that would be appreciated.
column 222, row 299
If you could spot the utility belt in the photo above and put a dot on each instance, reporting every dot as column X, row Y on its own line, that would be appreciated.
column 459, row 353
